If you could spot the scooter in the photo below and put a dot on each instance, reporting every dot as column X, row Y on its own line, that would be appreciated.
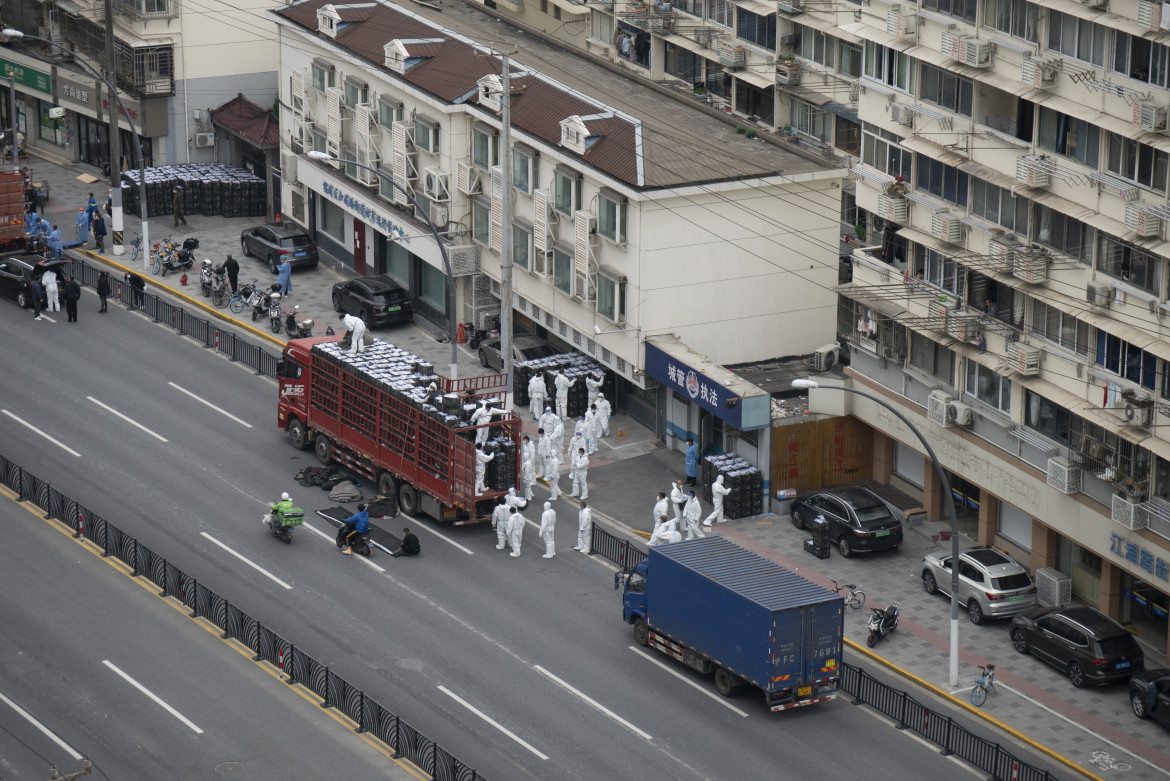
column 206, row 277
column 275, row 315
column 476, row 336
column 182, row 259
column 296, row 328
column 882, row 622
column 359, row 543
column 261, row 301
column 280, row 523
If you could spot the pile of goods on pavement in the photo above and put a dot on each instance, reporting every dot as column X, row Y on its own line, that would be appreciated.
column 575, row 366
column 210, row 189
column 742, row 478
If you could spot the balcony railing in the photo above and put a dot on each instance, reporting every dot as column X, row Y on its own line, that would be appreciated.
column 146, row 10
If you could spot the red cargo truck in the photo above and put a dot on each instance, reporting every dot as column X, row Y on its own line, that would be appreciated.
column 352, row 409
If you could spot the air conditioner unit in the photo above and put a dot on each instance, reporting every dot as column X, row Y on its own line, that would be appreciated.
column 288, row 167
column 1031, row 266
column 435, row 184
column 1053, row 587
column 975, row 53
column 1149, row 116
column 892, row 208
column 1063, row 476
column 1036, row 73
column 1149, row 15
column 903, row 115
column 789, row 39
column 1095, row 3
column 959, row 413
column 963, row 326
column 731, row 54
column 825, row 358
column 791, row 6
column 1030, row 172
column 1099, row 293
column 901, row 21
column 467, row 178
column 1138, row 416
column 1131, row 515
column 951, row 44
column 937, row 313
column 1139, row 220
column 205, row 139
column 1023, row 359
column 936, row 408
column 946, row 226
column 440, row 216
column 1001, row 253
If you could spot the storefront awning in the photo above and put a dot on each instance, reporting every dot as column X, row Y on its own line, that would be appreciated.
column 692, row 375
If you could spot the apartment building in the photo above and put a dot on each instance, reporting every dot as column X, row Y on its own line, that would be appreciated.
column 629, row 239
column 174, row 62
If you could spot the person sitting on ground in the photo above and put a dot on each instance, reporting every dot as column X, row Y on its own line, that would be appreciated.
column 409, row 546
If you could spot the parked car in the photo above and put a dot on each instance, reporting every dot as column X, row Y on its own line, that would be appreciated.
column 377, row 300
column 525, row 347
column 1149, row 695
column 17, row 274
column 276, row 243
column 859, row 520
column 991, row 585
column 1089, row 646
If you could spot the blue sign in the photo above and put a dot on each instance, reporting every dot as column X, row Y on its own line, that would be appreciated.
column 1135, row 554
column 700, row 389
column 369, row 215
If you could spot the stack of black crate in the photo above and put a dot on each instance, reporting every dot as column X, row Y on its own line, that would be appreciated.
column 818, row 544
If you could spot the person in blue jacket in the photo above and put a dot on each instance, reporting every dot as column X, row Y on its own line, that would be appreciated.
column 358, row 523
column 692, row 462
column 284, row 277
column 32, row 222
column 54, row 242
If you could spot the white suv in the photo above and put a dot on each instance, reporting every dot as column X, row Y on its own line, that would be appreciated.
column 991, row 585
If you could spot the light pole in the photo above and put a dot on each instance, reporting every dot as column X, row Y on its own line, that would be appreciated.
column 948, row 500
column 9, row 34
column 451, row 319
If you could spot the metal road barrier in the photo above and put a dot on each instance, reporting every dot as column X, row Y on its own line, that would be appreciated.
column 620, row 552
column 267, row 646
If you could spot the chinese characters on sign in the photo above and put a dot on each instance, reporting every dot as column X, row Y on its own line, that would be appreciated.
column 1155, row 565
column 362, row 210
column 29, row 77
column 687, row 381
column 75, row 93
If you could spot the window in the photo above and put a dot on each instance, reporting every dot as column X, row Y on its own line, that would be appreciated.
column 1017, row 18
column 1129, row 263
column 813, row 45
column 1059, row 328
column 556, row 12
column 485, row 146
column 889, row 66
column 349, row 155
column 563, row 270
column 1061, row 232
column 1073, row 138
column 422, row 209
column 810, row 120
column 720, row 12
column 611, row 297
column 850, row 60
column 385, row 188
column 847, row 136
column 1047, row 417
column 998, row 205
column 937, row 269
column 753, row 28
column 356, row 92
column 1077, row 38
column 879, row 149
column 1136, row 162
column 1141, row 59
column 318, row 140
column 432, row 286
column 481, row 222
column 426, row 135
column 521, row 245
column 755, row 101
column 389, row 112
column 942, row 181
column 524, row 168
column 566, row 191
column 332, row 220
column 987, row 386
column 931, row 357
column 961, row 9
column 611, row 216
column 600, row 26
column 683, row 64
column 1123, row 359
column 945, row 89
column 323, row 76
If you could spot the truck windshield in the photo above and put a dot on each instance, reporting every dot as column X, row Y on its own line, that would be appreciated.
column 636, row 584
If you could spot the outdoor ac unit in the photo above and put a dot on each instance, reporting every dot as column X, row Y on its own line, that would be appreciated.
column 731, row 54
column 1063, row 476
column 1149, row 15
column 467, row 178
column 791, row 6
column 1029, row 172
column 936, row 316
column 892, row 208
column 205, row 139
column 440, row 216
column 1139, row 220
column 951, row 44
column 435, row 184
column 936, row 408
column 1138, row 416
column 1031, row 266
column 1099, row 294
column 1149, row 116
column 964, row 326
column 1024, row 359
column 1094, row 3
column 901, row 21
column 903, row 115
column 1131, row 515
column 1053, row 587
column 1001, row 253
column 959, row 413
column 1036, row 73
column 288, row 167
column 825, row 358
column 946, row 226
column 975, row 53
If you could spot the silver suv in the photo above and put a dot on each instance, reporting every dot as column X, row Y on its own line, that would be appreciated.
column 991, row 585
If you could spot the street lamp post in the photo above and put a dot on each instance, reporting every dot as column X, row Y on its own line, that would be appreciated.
column 451, row 319
column 948, row 500
column 9, row 34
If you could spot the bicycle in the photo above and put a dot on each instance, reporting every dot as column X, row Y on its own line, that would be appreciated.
column 135, row 247
column 984, row 685
column 856, row 598
column 243, row 297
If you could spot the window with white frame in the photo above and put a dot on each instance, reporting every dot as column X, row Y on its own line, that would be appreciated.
column 611, row 216
column 810, row 120
column 998, row 205
column 563, row 270
column 1118, row 356
column 1017, row 18
column 481, row 222
column 356, row 92
column 324, row 75
column 600, row 26
column 756, row 28
column 485, row 146
column 566, row 191
column 960, row 9
column 525, row 169
column 318, row 140
column 385, row 186
column 889, row 66
column 850, row 60
column 1064, row 233
column 945, row 89
column 389, row 112
column 1141, row 59
column 1073, row 138
column 987, row 386
column 880, row 150
column 349, row 156
column 721, row 12
column 521, row 245
column 932, row 358
column 938, row 269
column 1059, row 327
column 426, row 135
column 422, row 209
column 1136, row 162
column 1077, row 38
column 1129, row 263
column 942, row 180
column 813, row 45
column 611, row 296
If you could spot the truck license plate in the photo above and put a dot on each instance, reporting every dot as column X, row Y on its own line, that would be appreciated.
column 804, row 691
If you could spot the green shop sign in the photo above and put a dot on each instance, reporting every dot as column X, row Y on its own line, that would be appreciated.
column 29, row 77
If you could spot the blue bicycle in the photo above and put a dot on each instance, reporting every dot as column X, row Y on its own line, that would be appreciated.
column 984, row 685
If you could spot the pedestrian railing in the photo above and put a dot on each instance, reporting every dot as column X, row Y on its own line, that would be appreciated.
column 335, row 692
column 620, row 552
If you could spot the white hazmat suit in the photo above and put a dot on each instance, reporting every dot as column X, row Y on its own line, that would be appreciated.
column 357, row 331
column 528, row 473
column 563, row 384
column 693, row 513
column 659, row 510
column 543, row 445
column 580, row 475
column 481, row 462
column 515, row 532
column 500, row 524
column 49, row 280
column 548, row 522
column 548, row 420
column 676, row 499
column 718, row 491
column 584, row 530
column 593, row 385
column 667, row 531
column 558, row 438
column 604, row 412
column 484, row 415
column 592, row 431
column 552, row 473
column 513, row 501
column 537, row 395
column 575, row 444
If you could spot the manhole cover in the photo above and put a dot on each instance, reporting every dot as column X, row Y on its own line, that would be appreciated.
column 229, row 768
column 411, row 664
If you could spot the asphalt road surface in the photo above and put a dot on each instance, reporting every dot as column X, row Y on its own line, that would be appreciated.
column 520, row 667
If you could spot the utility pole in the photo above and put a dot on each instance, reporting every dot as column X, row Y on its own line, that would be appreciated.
column 15, row 124
column 506, row 229
column 116, row 227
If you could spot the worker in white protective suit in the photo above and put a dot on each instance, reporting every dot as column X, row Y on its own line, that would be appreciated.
column 677, row 498
column 563, row 384
column 656, row 532
column 558, row 440
column 543, row 443
column 693, row 512
column 576, row 443
column 580, row 474
column 548, row 420
column 718, row 491
column 548, row 522
column 592, row 430
column 481, row 462
column 537, row 395
column 552, row 473
column 527, row 467
column 667, row 531
column 483, row 414
column 515, row 531
column 513, row 500
column 500, row 523
column 584, row 530
column 604, row 411
column 593, row 384
column 659, row 507
column 357, row 332
column 52, row 300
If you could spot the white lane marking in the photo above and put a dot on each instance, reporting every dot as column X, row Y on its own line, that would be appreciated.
column 688, row 682
column 132, row 422
column 36, row 430
column 468, row 551
column 247, row 561
column 201, row 400
column 491, row 721
column 45, row 730
column 152, row 696
column 333, row 542
column 592, row 702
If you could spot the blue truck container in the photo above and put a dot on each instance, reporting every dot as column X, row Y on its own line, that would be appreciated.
column 719, row 608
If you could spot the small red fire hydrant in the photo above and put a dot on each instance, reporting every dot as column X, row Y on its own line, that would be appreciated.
column 183, row 280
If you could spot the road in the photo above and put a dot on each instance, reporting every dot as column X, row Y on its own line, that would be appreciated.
column 520, row 667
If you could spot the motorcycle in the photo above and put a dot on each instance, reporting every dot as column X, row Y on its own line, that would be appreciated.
column 220, row 292
column 882, row 622
column 359, row 543
column 170, row 259
column 206, row 276
column 280, row 522
column 477, row 336
column 275, row 314
column 298, row 329
column 261, row 301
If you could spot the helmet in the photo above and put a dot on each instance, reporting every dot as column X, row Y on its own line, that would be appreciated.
column 206, row 263
column 284, row 497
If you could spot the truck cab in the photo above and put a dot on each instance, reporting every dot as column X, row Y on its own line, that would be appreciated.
column 634, row 596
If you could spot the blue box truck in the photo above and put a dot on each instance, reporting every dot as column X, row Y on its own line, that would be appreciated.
column 720, row 608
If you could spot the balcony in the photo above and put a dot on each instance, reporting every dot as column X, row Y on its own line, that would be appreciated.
column 141, row 71
column 146, row 10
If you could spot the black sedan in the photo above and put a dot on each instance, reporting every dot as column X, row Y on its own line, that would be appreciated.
column 859, row 520
column 17, row 275
column 377, row 300
column 278, row 243
column 1149, row 695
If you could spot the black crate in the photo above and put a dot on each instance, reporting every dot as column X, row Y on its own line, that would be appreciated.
column 820, row 551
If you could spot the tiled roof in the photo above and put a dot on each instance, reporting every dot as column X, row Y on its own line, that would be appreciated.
column 247, row 119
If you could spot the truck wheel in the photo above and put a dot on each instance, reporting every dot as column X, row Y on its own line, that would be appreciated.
column 726, row 683
column 641, row 632
column 407, row 499
column 387, row 485
column 324, row 450
column 297, row 436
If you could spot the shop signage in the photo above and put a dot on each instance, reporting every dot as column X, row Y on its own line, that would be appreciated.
column 1139, row 556
column 704, row 391
column 29, row 77
column 85, row 94
column 357, row 205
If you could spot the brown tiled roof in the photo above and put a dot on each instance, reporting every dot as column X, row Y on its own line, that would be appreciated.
column 351, row 14
column 247, row 119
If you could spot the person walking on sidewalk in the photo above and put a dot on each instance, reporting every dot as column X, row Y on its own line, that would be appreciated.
column 82, row 225
column 232, row 267
column 584, row 530
column 677, row 498
column 548, row 522
column 103, row 288
column 580, row 474
column 692, row 462
column 694, row 511
column 284, row 277
column 99, row 232
column 718, row 491
column 72, row 296
column 177, row 206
